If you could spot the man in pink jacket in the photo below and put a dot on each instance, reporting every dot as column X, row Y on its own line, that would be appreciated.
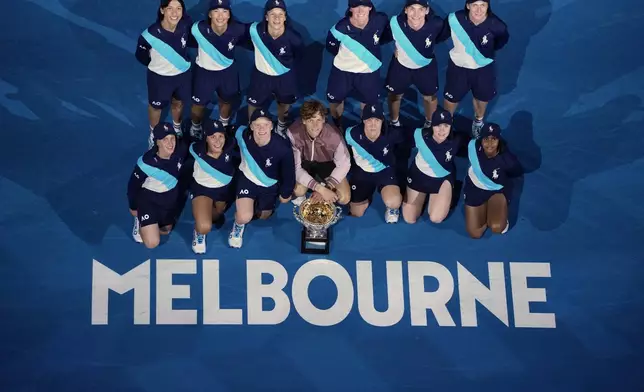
column 322, row 159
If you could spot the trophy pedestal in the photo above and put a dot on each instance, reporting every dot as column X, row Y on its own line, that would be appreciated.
column 318, row 243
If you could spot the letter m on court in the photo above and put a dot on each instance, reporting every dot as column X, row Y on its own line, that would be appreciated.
column 104, row 280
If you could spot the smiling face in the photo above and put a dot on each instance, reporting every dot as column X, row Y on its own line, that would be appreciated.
column 478, row 11
column 373, row 128
column 219, row 17
column 490, row 145
column 172, row 13
column 276, row 18
column 416, row 15
column 166, row 145
column 441, row 132
column 262, row 128
column 360, row 15
column 216, row 142
column 314, row 125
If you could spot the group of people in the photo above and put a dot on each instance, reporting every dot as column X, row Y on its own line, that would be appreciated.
column 254, row 166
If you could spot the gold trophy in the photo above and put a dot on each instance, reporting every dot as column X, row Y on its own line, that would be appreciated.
column 316, row 217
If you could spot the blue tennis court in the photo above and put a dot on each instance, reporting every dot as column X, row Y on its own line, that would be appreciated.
column 555, row 304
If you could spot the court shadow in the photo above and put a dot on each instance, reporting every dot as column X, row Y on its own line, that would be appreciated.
column 592, row 142
column 519, row 134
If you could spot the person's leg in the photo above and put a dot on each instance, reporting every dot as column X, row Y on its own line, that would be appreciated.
column 497, row 213
column 343, row 190
column 456, row 86
column 483, row 81
column 476, row 220
column 361, row 191
column 392, row 198
column 413, row 205
column 338, row 87
column 440, row 202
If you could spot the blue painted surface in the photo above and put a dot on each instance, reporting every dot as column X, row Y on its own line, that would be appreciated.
column 73, row 117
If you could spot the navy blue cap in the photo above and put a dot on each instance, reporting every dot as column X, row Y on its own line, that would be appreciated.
column 372, row 111
column 491, row 129
column 271, row 4
column 260, row 113
column 161, row 130
column 210, row 127
column 358, row 3
column 441, row 116
column 474, row 1
column 214, row 4
column 423, row 3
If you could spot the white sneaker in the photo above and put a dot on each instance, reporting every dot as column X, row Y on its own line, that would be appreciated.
column 392, row 215
column 151, row 140
column 507, row 227
column 177, row 130
column 196, row 132
column 198, row 242
column 298, row 200
column 236, row 237
column 136, row 232
column 477, row 125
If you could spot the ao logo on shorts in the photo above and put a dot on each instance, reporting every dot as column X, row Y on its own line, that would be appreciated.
column 244, row 192
column 145, row 217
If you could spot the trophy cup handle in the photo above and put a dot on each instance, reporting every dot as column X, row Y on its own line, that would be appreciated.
column 296, row 214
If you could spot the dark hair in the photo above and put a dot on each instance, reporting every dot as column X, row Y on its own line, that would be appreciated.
column 230, row 20
column 427, row 15
column 348, row 14
column 500, row 147
column 164, row 4
column 489, row 8
column 286, row 18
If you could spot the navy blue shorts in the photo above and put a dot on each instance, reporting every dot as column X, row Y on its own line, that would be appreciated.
column 366, row 86
column 474, row 197
column 363, row 185
column 225, row 83
column 482, row 83
column 265, row 198
column 216, row 194
column 420, row 182
column 400, row 78
column 161, row 89
column 264, row 87
column 150, row 214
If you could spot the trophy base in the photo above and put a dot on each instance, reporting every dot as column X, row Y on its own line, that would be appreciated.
column 314, row 245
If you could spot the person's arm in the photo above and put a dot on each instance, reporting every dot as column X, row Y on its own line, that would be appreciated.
column 387, row 35
column 137, row 178
column 287, row 174
column 501, row 35
column 142, row 52
column 342, row 161
column 332, row 44
column 445, row 32
column 513, row 167
column 244, row 40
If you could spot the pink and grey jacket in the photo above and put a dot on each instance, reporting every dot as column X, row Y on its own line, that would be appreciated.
column 329, row 146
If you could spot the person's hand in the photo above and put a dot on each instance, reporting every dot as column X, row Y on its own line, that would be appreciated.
column 133, row 213
column 283, row 200
column 327, row 194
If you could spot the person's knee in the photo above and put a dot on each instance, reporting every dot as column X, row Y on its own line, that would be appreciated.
column 393, row 200
column 429, row 98
column 437, row 217
column 151, row 242
column 203, row 227
column 409, row 216
column 243, row 216
column 344, row 198
column 497, row 227
column 475, row 233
